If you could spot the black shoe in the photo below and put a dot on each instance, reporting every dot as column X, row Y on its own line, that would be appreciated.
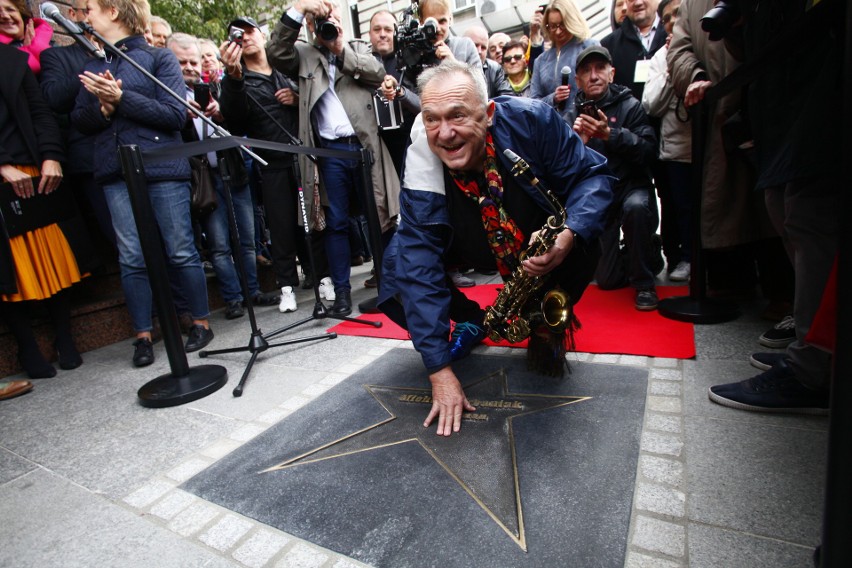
column 765, row 361
column 308, row 282
column 371, row 282
column 486, row 272
column 342, row 303
column 775, row 390
column 781, row 335
column 465, row 336
column 36, row 365
column 265, row 299
column 234, row 310
column 357, row 260
column 69, row 358
column 646, row 300
column 199, row 337
column 143, row 354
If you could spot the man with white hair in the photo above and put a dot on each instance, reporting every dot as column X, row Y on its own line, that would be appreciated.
column 160, row 31
column 459, row 182
column 495, row 46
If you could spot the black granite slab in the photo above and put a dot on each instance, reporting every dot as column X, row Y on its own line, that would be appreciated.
column 398, row 500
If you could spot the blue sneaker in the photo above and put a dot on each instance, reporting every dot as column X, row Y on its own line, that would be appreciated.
column 775, row 390
column 465, row 336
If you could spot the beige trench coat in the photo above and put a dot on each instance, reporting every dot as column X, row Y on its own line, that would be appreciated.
column 355, row 84
column 732, row 211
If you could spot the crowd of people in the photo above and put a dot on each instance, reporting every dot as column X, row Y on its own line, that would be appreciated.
column 606, row 124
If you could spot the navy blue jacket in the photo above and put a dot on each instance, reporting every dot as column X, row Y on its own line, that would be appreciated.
column 146, row 116
column 413, row 267
column 60, row 85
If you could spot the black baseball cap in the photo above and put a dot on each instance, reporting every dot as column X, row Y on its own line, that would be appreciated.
column 592, row 51
column 244, row 21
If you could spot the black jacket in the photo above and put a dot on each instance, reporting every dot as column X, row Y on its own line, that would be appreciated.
column 247, row 105
column 496, row 80
column 60, row 84
column 632, row 144
column 626, row 49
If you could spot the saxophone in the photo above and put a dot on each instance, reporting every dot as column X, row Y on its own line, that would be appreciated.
column 505, row 319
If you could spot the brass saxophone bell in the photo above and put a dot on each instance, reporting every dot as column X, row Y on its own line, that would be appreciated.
column 556, row 310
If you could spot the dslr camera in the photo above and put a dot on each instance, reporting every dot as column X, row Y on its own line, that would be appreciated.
column 414, row 42
column 719, row 20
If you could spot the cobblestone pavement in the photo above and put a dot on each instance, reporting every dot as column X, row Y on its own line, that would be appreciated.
column 88, row 477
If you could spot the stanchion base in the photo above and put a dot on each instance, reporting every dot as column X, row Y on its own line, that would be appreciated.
column 705, row 310
column 369, row 306
column 168, row 390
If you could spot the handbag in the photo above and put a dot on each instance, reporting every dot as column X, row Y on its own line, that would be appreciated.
column 202, row 192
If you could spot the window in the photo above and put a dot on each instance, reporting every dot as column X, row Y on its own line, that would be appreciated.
column 459, row 5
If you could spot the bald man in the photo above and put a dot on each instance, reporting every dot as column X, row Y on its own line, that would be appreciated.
column 495, row 46
column 495, row 77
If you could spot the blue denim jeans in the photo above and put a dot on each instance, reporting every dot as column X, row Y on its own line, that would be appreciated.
column 219, row 241
column 170, row 201
column 341, row 179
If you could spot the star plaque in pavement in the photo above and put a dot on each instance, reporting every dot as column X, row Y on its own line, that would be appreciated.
column 481, row 458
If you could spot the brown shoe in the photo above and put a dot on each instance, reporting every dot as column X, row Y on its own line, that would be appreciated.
column 11, row 389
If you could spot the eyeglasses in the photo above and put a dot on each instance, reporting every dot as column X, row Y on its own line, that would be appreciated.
column 510, row 58
column 84, row 10
column 554, row 27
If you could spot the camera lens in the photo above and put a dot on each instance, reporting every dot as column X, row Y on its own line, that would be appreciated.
column 326, row 30
column 717, row 22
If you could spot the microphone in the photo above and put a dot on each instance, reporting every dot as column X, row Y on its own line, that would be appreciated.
column 566, row 76
column 51, row 11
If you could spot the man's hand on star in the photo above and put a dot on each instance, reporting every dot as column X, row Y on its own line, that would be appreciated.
column 448, row 402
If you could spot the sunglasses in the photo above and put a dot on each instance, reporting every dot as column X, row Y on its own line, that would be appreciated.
column 554, row 27
column 510, row 58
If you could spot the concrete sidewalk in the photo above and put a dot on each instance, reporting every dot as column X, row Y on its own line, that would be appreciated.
column 88, row 477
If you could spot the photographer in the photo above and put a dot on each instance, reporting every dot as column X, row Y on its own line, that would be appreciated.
column 260, row 102
column 446, row 46
column 337, row 79
column 612, row 122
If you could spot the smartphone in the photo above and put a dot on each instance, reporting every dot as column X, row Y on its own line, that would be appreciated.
column 589, row 108
column 201, row 92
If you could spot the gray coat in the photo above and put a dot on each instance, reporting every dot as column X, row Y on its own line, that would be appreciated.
column 356, row 80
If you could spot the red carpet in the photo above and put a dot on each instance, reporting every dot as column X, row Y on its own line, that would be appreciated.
column 610, row 324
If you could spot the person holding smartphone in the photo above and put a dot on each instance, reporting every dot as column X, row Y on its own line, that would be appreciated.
column 611, row 121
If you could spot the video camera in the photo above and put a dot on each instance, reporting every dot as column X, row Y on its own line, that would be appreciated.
column 719, row 20
column 414, row 42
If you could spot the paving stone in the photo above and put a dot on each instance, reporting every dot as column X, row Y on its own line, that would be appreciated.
column 347, row 563
column 664, row 422
column 659, row 536
column 661, row 500
column 666, row 375
column 193, row 518
column 333, row 378
column 665, row 362
column 273, row 416
column 667, row 388
column 656, row 443
column 172, row 504
column 247, row 432
column 260, row 547
column 302, row 556
column 315, row 390
column 661, row 470
column 635, row 360
column 148, row 493
column 220, row 448
column 665, row 404
column 295, row 402
column 187, row 469
column 225, row 533
column 606, row 358
column 712, row 546
column 637, row 560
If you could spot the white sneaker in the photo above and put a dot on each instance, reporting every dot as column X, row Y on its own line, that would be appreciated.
column 681, row 272
column 460, row 280
column 288, row 300
column 326, row 289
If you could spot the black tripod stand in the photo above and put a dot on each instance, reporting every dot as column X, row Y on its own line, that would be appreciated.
column 259, row 342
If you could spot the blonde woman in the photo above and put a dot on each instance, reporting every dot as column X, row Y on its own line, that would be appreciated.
column 568, row 32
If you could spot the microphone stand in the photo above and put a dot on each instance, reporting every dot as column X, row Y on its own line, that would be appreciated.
column 258, row 342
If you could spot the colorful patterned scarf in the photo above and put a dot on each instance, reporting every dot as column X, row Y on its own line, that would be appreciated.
column 486, row 189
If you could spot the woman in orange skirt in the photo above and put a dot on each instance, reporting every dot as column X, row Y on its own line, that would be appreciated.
column 37, row 262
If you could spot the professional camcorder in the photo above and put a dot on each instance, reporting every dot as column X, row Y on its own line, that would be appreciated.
column 414, row 42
